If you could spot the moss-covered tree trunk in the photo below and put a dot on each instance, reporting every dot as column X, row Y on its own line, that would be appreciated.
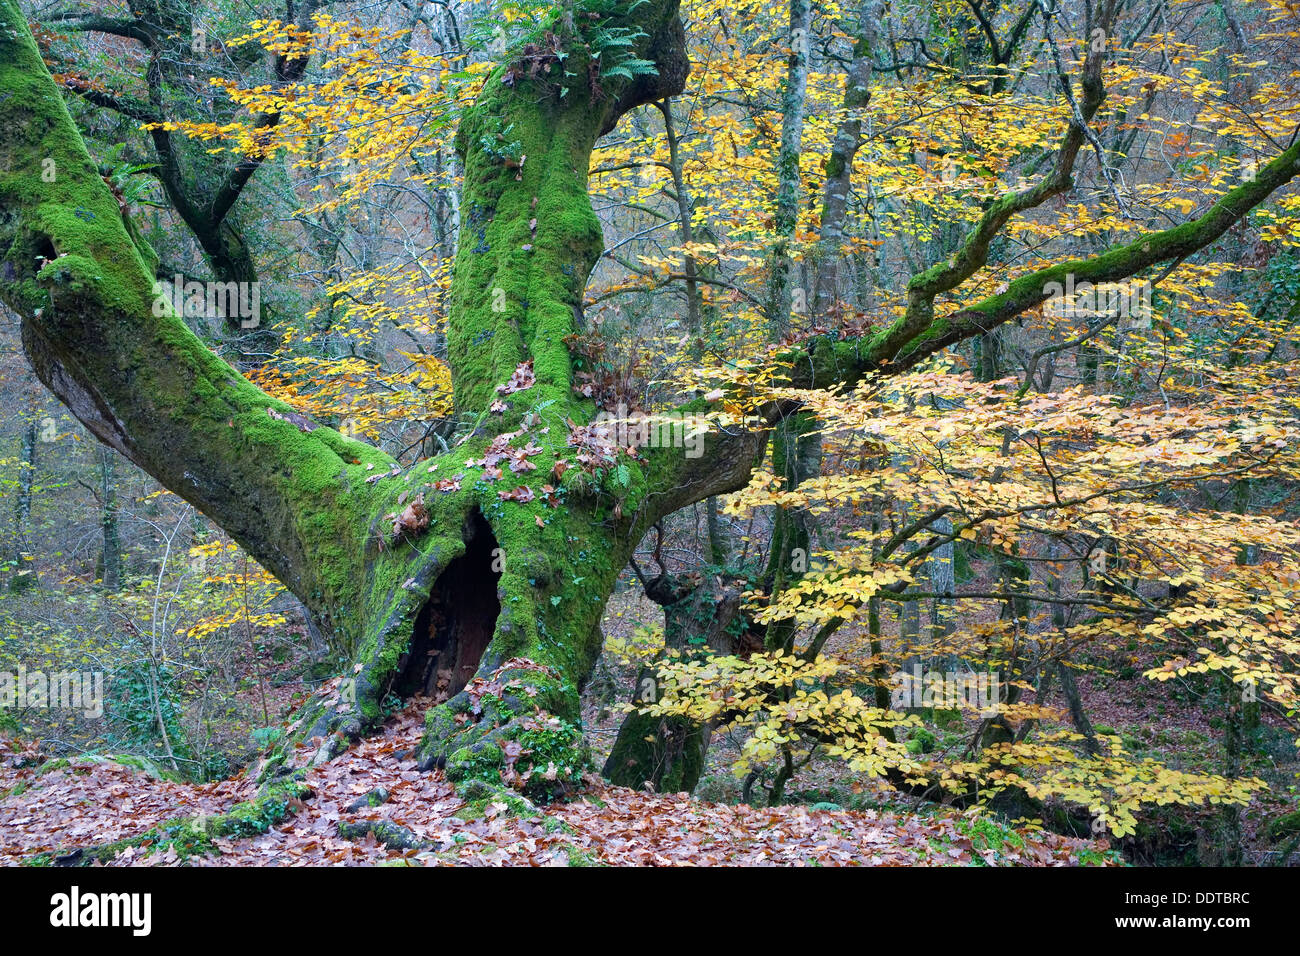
column 702, row 616
column 484, row 566
column 479, row 575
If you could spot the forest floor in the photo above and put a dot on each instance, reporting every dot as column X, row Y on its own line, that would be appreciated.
column 88, row 801
column 51, row 802
column 1175, row 726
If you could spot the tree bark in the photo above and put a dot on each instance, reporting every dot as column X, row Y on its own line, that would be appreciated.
column 785, row 219
column 316, row 508
column 111, row 550
column 22, row 575
column 839, row 164
column 335, row 519
column 667, row 754
column 202, row 189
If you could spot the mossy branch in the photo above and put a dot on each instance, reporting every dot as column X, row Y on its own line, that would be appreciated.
column 826, row 360
column 291, row 493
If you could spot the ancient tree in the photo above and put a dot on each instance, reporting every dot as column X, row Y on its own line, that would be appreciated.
column 481, row 573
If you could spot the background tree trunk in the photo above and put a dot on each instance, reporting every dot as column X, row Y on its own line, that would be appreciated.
column 111, row 552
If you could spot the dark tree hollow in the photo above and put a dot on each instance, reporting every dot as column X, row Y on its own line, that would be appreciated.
column 456, row 624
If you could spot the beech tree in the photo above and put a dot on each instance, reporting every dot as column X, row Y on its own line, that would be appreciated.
column 481, row 572
column 201, row 191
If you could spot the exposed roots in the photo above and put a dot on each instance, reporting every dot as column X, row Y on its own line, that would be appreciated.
column 392, row 835
column 193, row 836
column 503, row 729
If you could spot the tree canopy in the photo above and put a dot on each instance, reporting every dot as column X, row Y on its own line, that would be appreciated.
column 924, row 371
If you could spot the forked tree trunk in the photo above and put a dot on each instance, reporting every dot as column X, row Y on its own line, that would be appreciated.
column 506, row 592
column 702, row 616
column 314, row 507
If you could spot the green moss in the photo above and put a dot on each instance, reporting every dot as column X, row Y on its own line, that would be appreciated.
column 17, row 790
column 554, row 755
column 665, row 752
column 529, row 237
column 1087, row 856
column 1287, row 825
column 306, row 502
column 192, row 836
column 577, row 856
column 482, row 761
column 391, row 835
column 989, row 834
column 541, row 756
column 479, row 793
column 921, row 742
column 145, row 765
column 84, row 282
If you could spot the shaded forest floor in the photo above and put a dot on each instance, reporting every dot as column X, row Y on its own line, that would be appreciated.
column 52, row 804
column 62, row 805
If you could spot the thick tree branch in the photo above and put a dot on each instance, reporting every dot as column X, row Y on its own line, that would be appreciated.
column 973, row 255
column 133, row 373
column 133, row 29
column 1119, row 263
